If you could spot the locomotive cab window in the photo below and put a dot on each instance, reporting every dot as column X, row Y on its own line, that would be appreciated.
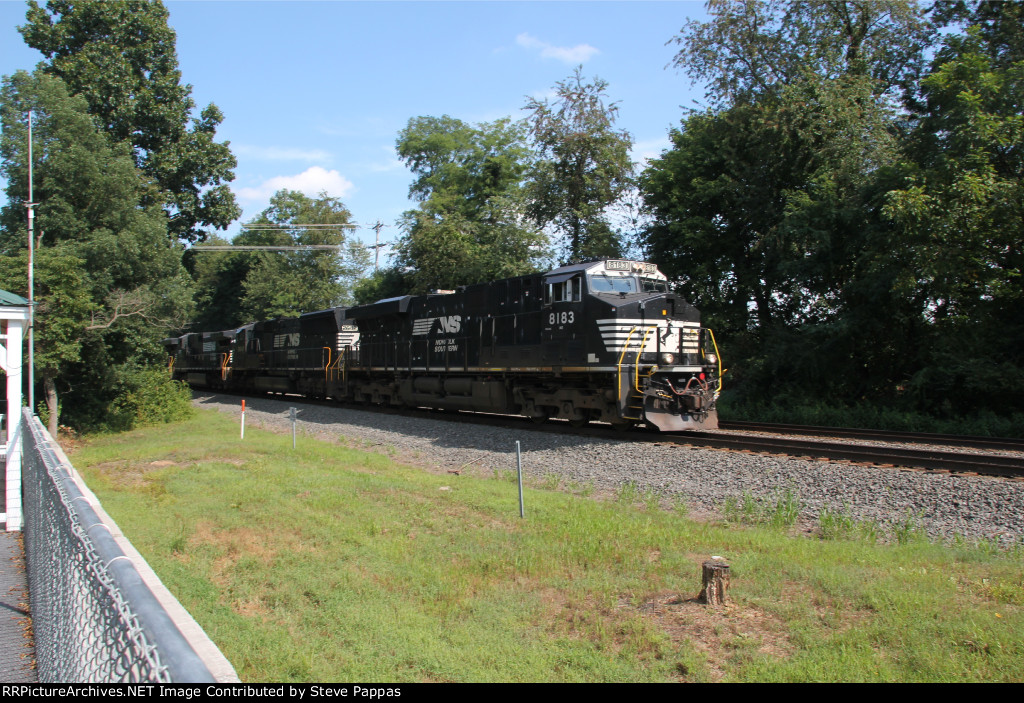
column 653, row 285
column 562, row 291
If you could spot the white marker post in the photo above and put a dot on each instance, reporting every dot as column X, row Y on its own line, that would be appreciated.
column 243, row 418
column 519, row 472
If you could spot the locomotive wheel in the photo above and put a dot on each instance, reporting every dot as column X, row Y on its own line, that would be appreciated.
column 623, row 425
column 578, row 422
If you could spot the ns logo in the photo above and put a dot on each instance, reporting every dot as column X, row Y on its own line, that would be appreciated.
column 452, row 324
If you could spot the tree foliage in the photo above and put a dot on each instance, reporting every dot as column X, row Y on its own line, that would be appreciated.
column 470, row 225
column 463, row 167
column 960, row 210
column 847, row 249
column 752, row 47
column 120, row 56
column 109, row 280
column 759, row 212
column 235, row 288
column 584, row 166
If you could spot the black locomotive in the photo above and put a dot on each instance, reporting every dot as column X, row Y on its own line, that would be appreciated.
column 603, row 341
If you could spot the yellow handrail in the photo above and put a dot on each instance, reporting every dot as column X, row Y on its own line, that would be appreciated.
column 719, row 358
column 622, row 356
column 338, row 365
column 636, row 366
column 636, row 361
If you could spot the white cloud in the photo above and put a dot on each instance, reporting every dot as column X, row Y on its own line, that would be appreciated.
column 274, row 153
column 571, row 55
column 312, row 182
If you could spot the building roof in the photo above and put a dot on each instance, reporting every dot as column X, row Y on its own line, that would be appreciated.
column 11, row 299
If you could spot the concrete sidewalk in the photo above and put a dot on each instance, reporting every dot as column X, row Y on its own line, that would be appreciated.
column 17, row 654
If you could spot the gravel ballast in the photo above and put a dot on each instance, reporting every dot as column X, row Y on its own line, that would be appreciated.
column 943, row 505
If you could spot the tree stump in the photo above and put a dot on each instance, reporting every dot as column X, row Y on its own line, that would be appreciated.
column 715, row 582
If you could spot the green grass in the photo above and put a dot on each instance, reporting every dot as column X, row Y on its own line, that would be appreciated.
column 326, row 563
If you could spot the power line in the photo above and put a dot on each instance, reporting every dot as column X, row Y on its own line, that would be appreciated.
column 256, row 247
column 270, row 227
column 275, row 227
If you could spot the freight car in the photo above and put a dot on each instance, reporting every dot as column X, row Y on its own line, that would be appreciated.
column 599, row 341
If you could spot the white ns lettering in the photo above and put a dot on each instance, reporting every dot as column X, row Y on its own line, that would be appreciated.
column 451, row 324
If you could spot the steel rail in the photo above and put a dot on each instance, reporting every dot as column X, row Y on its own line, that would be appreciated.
column 925, row 458
column 974, row 442
column 928, row 458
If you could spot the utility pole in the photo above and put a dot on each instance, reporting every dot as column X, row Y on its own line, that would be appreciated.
column 376, row 247
column 31, row 279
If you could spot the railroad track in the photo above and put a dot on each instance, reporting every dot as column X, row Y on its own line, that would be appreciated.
column 948, row 440
column 930, row 458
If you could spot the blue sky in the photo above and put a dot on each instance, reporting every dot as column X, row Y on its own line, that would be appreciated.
column 314, row 93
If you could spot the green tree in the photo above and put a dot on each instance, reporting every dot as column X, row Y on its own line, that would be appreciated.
column 850, row 251
column 961, row 211
column 769, row 207
column 220, row 285
column 763, row 215
column 755, row 206
column 101, row 252
column 64, row 309
column 752, row 47
column 584, row 166
column 120, row 56
column 463, row 167
column 470, row 225
column 235, row 288
column 383, row 283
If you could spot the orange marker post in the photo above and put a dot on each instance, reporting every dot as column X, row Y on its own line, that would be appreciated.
column 243, row 418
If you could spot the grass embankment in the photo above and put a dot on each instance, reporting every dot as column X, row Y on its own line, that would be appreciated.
column 326, row 563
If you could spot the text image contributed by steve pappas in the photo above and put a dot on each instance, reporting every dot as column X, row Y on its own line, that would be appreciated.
column 367, row 692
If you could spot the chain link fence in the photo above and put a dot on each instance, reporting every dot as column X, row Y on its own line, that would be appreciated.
column 93, row 618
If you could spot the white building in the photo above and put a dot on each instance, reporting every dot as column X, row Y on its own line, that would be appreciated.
column 13, row 322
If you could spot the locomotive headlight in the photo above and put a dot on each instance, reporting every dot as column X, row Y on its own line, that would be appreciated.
column 668, row 359
column 712, row 359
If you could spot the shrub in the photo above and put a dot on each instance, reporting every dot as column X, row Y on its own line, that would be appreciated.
column 149, row 396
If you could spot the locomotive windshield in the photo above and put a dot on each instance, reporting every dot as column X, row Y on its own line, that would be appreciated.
column 600, row 283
